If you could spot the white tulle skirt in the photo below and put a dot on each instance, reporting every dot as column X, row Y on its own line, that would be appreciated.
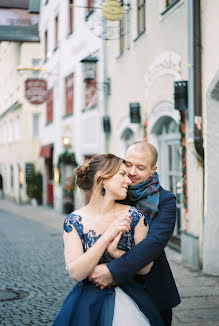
column 126, row 311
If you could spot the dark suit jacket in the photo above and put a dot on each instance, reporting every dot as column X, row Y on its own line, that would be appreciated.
column 159, row 283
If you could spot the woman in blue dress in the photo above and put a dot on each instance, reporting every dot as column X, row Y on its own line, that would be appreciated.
column 97, row 233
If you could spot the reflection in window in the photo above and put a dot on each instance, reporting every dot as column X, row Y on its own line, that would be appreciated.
column 141, row 16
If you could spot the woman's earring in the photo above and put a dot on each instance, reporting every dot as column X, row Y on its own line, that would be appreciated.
column 103, row 191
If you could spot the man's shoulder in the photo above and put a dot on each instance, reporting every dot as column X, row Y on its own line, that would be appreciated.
column 166, row 194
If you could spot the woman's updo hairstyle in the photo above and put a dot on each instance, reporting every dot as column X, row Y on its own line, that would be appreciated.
column 106, row 164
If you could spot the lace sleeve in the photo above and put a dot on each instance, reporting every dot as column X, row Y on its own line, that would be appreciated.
column 136, row 216
column 140, row 225
column 76, row 221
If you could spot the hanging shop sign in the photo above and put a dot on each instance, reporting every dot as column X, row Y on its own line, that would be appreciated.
column 112, row 10
column 36, row 90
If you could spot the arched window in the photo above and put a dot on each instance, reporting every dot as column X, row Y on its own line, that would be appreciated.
column 167, row 135
column 127, row 139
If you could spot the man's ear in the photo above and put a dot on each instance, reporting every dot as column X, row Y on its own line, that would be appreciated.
column 153, row 170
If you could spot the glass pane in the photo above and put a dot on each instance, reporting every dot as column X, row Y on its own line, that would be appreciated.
column 171, row 187
column 170, row 157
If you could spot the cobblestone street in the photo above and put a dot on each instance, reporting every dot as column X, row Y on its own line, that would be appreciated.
column 32, row 266
column 31, row 255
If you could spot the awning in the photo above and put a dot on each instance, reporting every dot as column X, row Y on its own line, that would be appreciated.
column 46, row 151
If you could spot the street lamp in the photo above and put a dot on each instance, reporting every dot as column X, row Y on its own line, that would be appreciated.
column 89, row 66
column 66, row 142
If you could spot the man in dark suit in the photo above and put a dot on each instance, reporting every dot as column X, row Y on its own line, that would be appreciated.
column 159, row 207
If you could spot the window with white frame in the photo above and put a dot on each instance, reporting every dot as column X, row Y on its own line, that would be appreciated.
column 121, row 38
column 69, row 94
column 70, row 15
column 56, row 32
column 140, row 16
column 36, row 122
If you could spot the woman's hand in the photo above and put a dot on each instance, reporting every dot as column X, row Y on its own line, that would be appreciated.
column 121, row 224
column 112, row 247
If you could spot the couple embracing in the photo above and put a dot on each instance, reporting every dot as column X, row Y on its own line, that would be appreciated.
column 114, row 246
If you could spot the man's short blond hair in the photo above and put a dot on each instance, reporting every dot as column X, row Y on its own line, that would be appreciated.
column 143, row 146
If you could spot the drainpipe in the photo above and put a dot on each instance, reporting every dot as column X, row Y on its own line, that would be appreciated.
column 105, row 83
column 195, row 87
column 197, row 76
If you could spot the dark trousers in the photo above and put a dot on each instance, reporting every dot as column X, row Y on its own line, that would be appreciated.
column 167, row 317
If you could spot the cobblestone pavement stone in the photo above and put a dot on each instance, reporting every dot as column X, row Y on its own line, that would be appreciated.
column 31, row 260
column 31, row 255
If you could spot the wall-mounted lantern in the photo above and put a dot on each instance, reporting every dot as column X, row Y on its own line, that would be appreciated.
column 106, row 124
column 181, row 95
column 89, row 67
column 66, row 142
column 135, row 114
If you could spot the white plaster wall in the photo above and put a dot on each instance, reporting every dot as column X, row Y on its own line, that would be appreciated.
column 145, row 73
column 129, row 71
column 210, row 77
column 86, row 131
column 25, row 148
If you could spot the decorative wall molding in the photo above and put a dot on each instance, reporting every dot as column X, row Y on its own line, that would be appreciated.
column 168, row 63
column 161, row 110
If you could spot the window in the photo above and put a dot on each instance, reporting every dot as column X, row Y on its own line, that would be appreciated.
column 69, row 94
column 56, row 32
column 12, row 177
column 121, row 38
column 90, row 93
column 89, row 6
column 36, row 119
column 49, row 107
column 17, row 133
column 140, row 16
column 71, row 16
column 45, row 45
column 167, row 4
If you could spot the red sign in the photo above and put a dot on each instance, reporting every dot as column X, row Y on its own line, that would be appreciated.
column 36, row 90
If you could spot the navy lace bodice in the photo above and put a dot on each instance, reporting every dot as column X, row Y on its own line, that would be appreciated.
column 88, row 239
